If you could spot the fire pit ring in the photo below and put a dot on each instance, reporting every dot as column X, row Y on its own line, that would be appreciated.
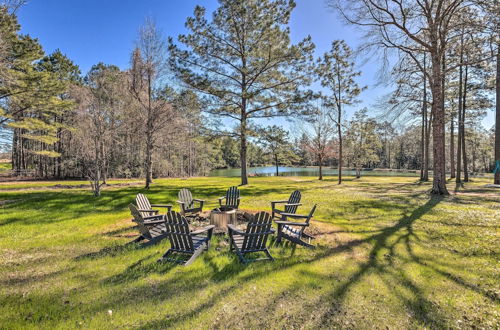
column 221, row 217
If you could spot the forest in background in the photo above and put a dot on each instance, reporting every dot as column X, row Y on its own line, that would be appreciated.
column 163, row 116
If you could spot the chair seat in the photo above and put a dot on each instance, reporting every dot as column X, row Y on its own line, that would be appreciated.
column 199, row 241
column 157, row 229
column 292, row 232
column 193, row 210
column 238, row 240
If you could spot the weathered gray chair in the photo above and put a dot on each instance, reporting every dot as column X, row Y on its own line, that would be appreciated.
column 146, row 208
column 151, row 228
column 187, row 203
column 232, row 198
column 182, row 241
column 294, row 231
column 253, row 239
column 291, row 204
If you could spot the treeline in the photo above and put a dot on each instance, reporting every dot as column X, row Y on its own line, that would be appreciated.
column 200, row 101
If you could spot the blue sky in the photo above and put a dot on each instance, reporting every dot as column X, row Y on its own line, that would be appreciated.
column 92, row 31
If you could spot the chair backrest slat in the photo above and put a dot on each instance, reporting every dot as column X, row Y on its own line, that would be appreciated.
column 232, row 195
column 139, row 220
column 309, row 216
column 294, row 199
column 186, row 197
column 143, row 204
column 258, row 228
column 177, row 229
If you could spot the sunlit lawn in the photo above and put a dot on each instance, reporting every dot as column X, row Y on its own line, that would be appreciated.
column 387, row 256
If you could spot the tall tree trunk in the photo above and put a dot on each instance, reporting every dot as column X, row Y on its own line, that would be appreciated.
column 276, row 163
column 496, row 179
column 15, row 150
column 452, row 146
column 427, row 126
column 104, row 167
column 443, row 89
column 438, row 129
column 458, row 178
column 339, row 128
column 243, row 151
column 464, row 107
column 149, row 160
column 422, row 145
column 320, row 164
column 389, row 154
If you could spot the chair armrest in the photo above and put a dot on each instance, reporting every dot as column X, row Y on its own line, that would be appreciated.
column 202, row 230
column 161, row 205
column 293, row 204
column 277, row 202
column 289, row 223
column 145, row 210
column 153, row 222
column 221, row 198
column 296, row 216
column 198, row 200
column 153, row 217
column 232, row 228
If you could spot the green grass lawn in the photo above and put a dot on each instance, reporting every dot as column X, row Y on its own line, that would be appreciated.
column 387, row 256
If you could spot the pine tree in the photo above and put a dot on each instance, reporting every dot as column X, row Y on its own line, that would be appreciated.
column 243, row 63
column 275, row 142
column 29, row 97
column 336, row 71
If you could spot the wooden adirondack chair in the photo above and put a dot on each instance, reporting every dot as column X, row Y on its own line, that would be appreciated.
column 146, row 208
column 232, row 198
column 253, row 239
column 182, row 241
column 186, row 202
column 291, row 204
column 151, row 228
column 294, row 231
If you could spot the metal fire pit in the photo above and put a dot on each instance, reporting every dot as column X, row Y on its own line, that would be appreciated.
column 221, row 217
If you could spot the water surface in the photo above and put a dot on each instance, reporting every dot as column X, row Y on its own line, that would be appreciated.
column 308, row 171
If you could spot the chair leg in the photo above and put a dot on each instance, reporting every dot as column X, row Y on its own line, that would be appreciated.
column 153, row 241
column 307, row 245
column 138, row 239
column 163, row 257
column 241, row 257
column 195, row 255
column 266, row 251
column 278, row 238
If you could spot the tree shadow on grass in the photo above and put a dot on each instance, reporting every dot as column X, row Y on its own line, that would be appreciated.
column 232, row 276
column 419, row 305
column 112, row 251
column 139, row 269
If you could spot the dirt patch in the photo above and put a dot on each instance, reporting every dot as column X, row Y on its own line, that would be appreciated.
column 327, row 233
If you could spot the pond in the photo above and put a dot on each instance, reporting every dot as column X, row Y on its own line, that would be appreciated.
column 309, row 171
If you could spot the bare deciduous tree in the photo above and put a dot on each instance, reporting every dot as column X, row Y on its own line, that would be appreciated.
column 412, row 27
column 336, row 71
column 320, row 133
column 148, row 69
